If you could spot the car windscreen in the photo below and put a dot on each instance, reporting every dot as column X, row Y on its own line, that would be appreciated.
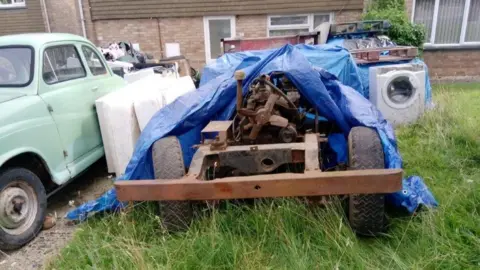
column 16, row 66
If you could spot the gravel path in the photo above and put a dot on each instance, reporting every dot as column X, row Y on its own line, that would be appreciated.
column 48, row 243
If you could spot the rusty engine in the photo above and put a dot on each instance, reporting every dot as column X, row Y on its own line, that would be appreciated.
column 270, row 111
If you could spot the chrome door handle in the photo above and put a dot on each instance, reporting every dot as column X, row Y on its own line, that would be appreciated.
column 94, row 89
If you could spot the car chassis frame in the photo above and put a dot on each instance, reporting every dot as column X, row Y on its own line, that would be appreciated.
column 260, row 159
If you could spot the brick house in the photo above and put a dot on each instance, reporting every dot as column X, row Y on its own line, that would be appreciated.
column 453, row 26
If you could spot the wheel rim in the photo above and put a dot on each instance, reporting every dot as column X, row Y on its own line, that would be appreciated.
column 18, row 207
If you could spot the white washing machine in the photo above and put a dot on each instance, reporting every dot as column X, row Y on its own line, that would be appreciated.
column 398, row 91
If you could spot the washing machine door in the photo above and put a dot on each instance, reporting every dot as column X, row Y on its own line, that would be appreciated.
column 400, row 89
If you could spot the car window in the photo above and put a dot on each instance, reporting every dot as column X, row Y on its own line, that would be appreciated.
column 16, row 66
column 93, row 61
column 62, row 63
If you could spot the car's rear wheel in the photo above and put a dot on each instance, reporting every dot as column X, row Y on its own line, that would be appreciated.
column 366, row 212
column 168, row 164
column 23, row 203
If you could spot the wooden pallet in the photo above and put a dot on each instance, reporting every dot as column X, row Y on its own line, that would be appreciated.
column 374, row 55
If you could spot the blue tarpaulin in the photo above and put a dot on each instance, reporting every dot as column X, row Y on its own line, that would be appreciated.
column 326, row 76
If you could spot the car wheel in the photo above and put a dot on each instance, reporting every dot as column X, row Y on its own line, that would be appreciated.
column 23, row 204
column 366, row 212
column 168, row 164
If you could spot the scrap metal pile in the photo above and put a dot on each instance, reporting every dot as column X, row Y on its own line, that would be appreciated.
column 270, row 113
column 269, row 110
column 126, row 58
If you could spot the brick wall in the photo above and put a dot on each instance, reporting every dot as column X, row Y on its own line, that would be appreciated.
column 348, row 16
column 64, row 16
column 142, row 31
column 251, row 26
column 188, row 32
column 453, row 63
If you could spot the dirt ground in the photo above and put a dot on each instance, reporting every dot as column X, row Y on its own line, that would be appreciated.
column 93, row 183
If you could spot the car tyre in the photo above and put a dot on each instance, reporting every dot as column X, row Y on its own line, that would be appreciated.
column 168, row 164
column 23, row 204
column 366, row 212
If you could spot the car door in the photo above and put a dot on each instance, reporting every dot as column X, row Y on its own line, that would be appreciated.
column 105, row 82
column 69, row 92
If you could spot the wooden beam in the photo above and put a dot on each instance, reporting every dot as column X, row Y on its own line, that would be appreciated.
column 263, row 186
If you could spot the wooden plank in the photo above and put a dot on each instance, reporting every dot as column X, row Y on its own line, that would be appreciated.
column 263, row 186
column 383, row 59
column 373, row 55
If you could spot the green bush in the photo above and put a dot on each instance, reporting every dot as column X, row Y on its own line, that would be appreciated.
column 403, row 32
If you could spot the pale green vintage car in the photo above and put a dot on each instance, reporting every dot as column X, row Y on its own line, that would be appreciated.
column 49, row 131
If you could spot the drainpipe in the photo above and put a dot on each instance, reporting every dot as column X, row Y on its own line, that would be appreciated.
column 45, row 13
column 82, row 18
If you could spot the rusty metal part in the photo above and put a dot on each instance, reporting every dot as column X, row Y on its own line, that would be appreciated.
column 309, row 148
column 263, row 43
column 239, row 76
column 280, row 92
column 263, row 108
column 222, row 129
column 278, row 121
column 288, row 134
column 263, row 186
column 255, row 162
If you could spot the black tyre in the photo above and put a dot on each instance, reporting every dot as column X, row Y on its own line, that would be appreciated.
column 168, row 164
column 23, row 204
column 366, row 212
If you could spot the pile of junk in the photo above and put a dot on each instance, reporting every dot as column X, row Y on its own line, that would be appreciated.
column 351, row 75
column 388, row 74
column 125, row 59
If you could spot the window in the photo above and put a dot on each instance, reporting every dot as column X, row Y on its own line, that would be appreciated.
column 62, row 63
column 16, row 66
column 449, row 21
column 93, row 61
column 215, row 29
column 285, row 25
column 12, row 3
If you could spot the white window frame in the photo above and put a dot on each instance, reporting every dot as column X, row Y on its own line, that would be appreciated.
column 309, row 24
column 13, row 5
column 462, row 42
column 206, row 32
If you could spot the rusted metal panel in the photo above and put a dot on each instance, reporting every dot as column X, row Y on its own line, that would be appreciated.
column 144, row 9
column 240, row 45
column 254, row 162
column 263, row 186
column 204, row 151
column 26, row 19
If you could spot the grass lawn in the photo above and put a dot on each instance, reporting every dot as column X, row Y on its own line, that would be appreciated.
column 443, row 147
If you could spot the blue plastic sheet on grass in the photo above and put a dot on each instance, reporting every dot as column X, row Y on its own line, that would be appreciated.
column 215, row 100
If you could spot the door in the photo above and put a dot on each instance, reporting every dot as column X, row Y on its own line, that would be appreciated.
column 216, row 28
column 97, row 70
column 69, row 92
